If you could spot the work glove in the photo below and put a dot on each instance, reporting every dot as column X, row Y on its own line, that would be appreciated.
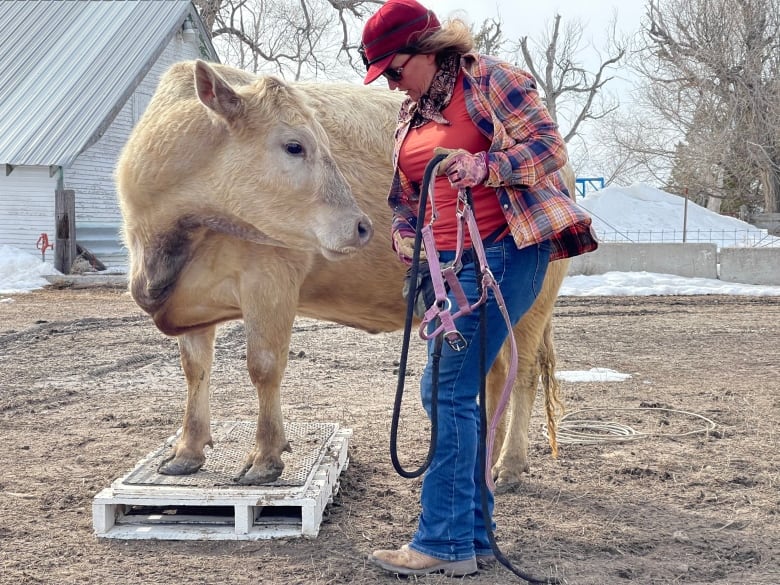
column 405, row 246
column 462, row 168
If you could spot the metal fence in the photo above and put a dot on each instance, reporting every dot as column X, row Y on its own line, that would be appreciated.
column 722, row 238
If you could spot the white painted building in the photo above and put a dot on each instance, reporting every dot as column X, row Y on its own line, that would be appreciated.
column 75, row 77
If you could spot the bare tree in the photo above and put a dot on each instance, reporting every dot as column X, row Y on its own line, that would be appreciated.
column 292, row 38
column 489, row 38
column 574, row 92
column 563, row 78
column 713, row 71
column 630, row 146
column 208, row 10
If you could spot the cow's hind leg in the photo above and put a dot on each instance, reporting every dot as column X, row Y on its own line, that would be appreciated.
column 496, row 379
column 197, row 356
column 529, row 334
column 268, row 342
column 512, row 453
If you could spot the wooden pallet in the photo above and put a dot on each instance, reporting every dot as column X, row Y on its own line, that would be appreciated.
column 208, row 506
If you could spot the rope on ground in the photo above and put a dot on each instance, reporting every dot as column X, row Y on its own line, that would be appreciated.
column 590, row 432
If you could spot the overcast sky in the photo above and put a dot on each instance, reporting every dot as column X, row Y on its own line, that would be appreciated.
column 521, row 18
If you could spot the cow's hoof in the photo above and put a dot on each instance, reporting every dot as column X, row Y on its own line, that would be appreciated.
column 259, row 474
column 179, row 466
column 506, row 486
column 506, row 481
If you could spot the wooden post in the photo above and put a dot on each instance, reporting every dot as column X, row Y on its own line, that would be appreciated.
column 65, row 246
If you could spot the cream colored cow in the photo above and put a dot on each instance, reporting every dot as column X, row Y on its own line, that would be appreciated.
column 235, row 193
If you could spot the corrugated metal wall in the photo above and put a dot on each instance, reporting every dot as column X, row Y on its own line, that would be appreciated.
column 66, row 66
column 67, row 73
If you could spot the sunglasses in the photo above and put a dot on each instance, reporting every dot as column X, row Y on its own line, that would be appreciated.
column 395, row 74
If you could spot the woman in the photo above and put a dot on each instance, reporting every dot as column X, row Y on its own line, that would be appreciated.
column 502, row 144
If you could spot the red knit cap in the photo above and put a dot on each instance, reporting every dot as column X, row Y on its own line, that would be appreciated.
column 395, row 26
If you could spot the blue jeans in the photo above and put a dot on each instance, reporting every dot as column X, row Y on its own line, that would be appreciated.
column 451, row 525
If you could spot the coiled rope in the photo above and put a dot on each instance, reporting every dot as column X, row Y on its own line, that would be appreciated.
column 574, row 431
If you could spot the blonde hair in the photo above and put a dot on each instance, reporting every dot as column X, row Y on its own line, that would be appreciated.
column 454, row 37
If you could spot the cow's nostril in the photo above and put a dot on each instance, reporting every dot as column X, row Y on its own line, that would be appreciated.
column 365, row 230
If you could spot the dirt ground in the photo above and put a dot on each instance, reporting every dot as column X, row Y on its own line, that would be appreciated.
column 88, row 386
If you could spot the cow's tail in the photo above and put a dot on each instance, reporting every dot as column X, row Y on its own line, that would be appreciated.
column 553, row 403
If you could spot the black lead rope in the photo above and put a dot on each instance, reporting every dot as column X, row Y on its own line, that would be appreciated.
column 436, row 357
column 410, row 300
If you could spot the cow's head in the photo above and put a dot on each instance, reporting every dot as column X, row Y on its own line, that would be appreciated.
column 274, row 169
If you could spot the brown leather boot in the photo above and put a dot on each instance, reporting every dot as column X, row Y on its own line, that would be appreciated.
column 406, row 561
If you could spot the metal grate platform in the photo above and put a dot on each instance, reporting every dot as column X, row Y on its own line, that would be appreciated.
column 208, row 505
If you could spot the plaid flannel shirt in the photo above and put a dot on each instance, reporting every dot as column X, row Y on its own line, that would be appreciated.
column 526, row 152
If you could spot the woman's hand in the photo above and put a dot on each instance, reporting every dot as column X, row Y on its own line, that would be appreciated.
column 405, row 246
column 462, row 168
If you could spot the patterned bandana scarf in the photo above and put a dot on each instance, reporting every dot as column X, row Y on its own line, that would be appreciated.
column 429, row 108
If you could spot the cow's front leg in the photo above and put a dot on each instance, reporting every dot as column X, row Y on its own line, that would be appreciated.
column 197, row 356
column 267, row 345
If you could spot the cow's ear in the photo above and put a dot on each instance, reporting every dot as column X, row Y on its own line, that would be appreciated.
column 216, row 94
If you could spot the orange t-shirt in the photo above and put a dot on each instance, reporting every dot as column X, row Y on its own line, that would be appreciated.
column 417, row 151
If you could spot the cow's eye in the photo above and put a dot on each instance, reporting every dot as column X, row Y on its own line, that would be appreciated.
column 294, row 148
